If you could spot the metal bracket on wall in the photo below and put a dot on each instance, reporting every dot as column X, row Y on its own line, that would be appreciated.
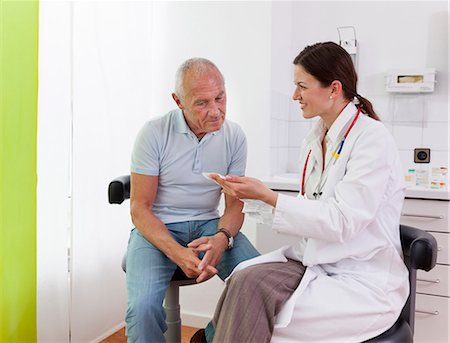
column 347, row 39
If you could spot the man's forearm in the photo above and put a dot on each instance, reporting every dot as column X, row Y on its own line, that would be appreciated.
column 154, row 231
column 232, row 218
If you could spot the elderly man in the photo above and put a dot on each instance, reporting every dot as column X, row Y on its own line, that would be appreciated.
column 174, row 208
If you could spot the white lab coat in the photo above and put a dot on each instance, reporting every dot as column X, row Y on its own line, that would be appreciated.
column 355, row 283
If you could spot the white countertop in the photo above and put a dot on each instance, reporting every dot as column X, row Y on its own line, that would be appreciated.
column 291, row 182
column 426, row 193
column 282, row 183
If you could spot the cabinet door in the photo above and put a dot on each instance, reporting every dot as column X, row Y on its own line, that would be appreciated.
column 443, row 243
column 435, row 281
column 431, row 319
column 428, row 215
column 268, row 240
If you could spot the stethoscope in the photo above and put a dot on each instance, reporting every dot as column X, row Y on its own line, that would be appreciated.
column 335, row 155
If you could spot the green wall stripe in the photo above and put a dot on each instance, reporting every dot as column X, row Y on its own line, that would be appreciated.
column 18, row 129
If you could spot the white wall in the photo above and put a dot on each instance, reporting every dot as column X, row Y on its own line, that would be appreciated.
column 402, row 34
column 53, row 172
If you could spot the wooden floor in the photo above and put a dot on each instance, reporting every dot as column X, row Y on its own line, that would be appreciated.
column 119, row 336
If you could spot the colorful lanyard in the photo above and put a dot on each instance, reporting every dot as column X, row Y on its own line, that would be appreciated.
column 335, row 153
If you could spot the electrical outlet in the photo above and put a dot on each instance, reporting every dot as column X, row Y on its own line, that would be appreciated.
column 422, row 155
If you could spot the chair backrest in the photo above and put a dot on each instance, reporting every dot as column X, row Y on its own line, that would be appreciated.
column 119, row 189
column 118, row 192
column 419, row 252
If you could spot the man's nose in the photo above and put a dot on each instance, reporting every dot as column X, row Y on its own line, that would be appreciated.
column 214, row 109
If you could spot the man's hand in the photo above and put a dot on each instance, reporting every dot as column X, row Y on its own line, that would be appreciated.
column 187, row 259
column 213, row 247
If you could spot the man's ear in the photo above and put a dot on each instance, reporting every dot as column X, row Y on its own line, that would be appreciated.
column 177, row 101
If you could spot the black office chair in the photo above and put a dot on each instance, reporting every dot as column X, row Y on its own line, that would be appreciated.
column 420, row 252
column 118, row 192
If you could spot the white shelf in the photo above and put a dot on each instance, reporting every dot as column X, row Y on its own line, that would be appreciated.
column 423, row 193
column 282, row 185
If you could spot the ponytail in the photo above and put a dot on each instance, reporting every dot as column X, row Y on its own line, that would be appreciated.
column 366, row 107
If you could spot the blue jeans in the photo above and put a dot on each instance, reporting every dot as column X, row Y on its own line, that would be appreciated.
column 149, row 272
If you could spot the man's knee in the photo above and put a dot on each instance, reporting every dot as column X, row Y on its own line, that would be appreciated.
column 145, row 319
column 145, row 306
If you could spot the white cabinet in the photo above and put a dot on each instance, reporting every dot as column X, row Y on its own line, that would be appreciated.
column 268, row 240
column 433, row 290
column 429, row 215
column 431, row 319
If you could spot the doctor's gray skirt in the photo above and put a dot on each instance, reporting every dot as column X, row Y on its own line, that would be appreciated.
column 252, row 298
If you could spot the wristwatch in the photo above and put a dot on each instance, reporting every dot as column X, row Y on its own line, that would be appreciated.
column 230, row 238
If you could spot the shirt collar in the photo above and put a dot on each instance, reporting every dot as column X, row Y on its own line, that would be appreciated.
column 336, row 130
column 180, row 123
column 181, row 126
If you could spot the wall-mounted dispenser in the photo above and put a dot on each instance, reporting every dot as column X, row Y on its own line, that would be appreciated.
column 347, row 39
column 411, row 80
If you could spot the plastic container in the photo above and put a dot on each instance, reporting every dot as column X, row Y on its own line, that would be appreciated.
column 410, row 178
column 422, row 178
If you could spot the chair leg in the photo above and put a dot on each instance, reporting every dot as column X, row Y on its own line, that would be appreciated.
column 173, row 319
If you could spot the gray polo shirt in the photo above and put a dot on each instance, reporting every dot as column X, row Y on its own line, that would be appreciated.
column 167, row 148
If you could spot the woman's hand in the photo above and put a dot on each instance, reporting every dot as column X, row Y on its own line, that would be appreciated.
column 243, row 187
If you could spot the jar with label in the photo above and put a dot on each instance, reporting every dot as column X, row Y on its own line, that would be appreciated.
column 410, row 178
column 439, row 178
column 422, row 178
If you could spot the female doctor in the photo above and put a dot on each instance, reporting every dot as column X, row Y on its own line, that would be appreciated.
column 346, row 281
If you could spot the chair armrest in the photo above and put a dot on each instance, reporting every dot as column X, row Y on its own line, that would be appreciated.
column 119, row 189
column 420, row 246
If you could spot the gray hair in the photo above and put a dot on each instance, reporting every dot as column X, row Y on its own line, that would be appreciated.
column 198, row 66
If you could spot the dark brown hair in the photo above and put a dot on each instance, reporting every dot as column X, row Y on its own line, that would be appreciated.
column 329, row 61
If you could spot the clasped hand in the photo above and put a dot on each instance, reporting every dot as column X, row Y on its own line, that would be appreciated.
column 213, row 247
column 202, row 270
